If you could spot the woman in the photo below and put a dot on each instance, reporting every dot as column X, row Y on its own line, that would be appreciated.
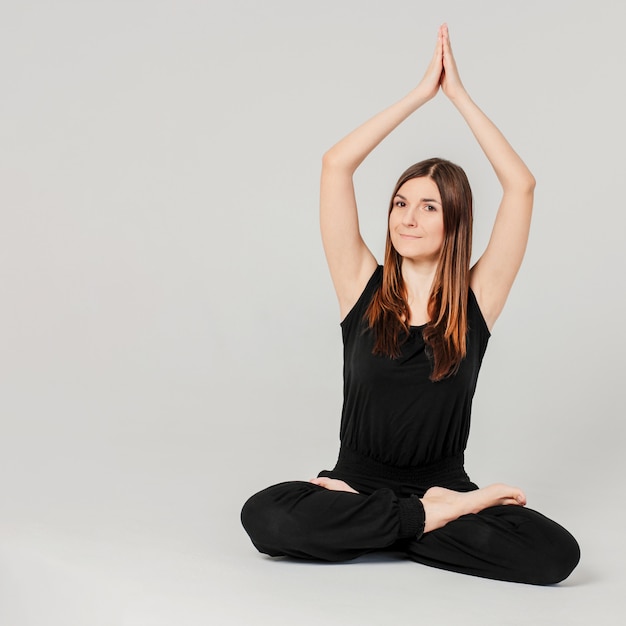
column 415, row 331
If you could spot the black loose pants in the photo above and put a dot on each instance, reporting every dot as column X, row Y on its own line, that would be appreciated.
column 303, row 520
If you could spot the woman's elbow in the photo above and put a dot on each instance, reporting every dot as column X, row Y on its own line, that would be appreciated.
column 524, row 185
column 330, row 158
column 334, row 160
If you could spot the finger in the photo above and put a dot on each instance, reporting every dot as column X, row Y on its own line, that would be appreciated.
column 436, row 63
column 448, row 56
column 446, row 37
column 438, row 44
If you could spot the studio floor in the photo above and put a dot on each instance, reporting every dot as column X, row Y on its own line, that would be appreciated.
column 51, row 577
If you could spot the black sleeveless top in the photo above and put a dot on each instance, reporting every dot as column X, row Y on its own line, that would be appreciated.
column 392, row 412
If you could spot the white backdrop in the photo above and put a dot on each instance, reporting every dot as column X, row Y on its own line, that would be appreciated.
column 169, row 333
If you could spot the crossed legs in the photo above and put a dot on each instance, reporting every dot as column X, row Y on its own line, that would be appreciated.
column 504, row 542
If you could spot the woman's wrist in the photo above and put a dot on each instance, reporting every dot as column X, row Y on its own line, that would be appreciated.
column 420, row 95
column 460, row 98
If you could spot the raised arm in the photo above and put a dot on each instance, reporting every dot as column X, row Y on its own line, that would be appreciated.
column 350, row 261
column 492, row 276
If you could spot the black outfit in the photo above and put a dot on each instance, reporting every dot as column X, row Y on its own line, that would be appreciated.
column 401, row 434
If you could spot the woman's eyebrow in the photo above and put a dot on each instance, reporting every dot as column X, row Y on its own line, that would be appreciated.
column 422, row 200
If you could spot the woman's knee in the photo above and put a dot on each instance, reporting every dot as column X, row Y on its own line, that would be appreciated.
column 533, row 549
column 259, row 513
column 560, row 555
column 549, row 553
column 265, row 516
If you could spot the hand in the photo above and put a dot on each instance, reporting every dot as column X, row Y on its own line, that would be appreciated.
column 450, row 80
column 429, row 85
column 332, row 484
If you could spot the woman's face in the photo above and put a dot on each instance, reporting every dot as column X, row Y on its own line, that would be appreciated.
column 416, row 220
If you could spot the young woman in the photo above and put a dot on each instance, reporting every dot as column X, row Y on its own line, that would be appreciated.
column 415, row 331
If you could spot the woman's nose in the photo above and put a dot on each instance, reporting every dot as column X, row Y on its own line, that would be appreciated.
column 410, row 218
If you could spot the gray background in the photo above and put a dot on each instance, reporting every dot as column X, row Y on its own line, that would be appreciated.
column 169, row 338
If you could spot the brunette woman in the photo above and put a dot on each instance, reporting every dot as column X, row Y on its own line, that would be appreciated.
column 415, row 331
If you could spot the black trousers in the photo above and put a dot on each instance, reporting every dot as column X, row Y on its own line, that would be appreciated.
column 303, row 520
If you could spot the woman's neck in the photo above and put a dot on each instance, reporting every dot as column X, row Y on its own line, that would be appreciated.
column 418, row 279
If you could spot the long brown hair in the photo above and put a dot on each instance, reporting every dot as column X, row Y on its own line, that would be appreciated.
column 388, row 314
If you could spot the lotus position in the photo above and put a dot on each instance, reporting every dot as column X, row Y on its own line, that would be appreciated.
column 415, row 330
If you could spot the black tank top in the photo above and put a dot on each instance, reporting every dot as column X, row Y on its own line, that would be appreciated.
column 392, row 412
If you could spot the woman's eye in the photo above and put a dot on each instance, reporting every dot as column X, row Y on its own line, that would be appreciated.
column 400, row 204
column 430, row 207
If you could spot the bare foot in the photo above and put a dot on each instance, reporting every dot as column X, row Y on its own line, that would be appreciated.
column 444, row 505
column 332, row 484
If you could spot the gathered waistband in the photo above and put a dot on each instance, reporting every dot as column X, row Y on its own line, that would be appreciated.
column 351, row 462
